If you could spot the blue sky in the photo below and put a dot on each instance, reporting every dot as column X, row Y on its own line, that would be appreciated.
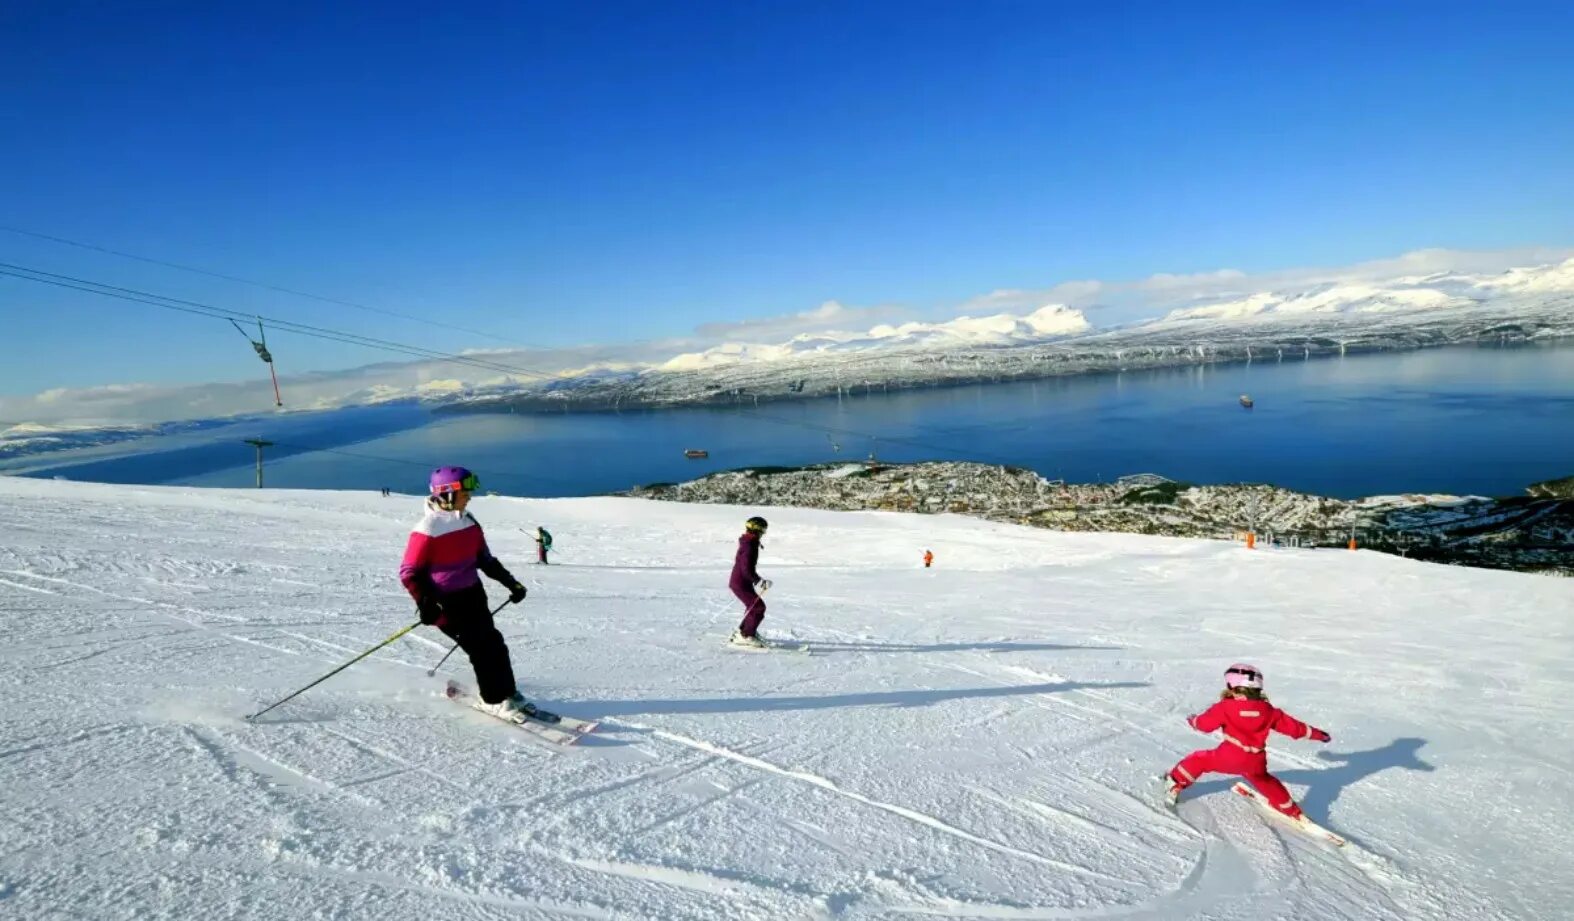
column 568, row 173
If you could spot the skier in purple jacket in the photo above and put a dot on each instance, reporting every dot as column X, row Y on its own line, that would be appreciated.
column 747, row 584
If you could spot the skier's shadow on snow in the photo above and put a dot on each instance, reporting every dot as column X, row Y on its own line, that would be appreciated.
column 1323, row 785
column 912, row 698
column 828, row 646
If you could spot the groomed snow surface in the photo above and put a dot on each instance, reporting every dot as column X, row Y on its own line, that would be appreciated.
column 974, row 741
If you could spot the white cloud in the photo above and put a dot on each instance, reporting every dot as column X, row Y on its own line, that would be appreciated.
column 829, row 316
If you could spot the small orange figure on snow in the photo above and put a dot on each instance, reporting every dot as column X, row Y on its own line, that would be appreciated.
column 929, row 558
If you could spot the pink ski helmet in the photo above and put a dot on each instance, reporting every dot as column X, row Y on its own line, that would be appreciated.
column 445, row 480
column 1243, row 676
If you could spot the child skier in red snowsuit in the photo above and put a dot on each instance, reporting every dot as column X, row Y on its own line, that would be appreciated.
column 1246, row 717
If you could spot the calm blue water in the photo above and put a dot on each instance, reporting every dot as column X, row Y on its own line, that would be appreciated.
column 1461, row 420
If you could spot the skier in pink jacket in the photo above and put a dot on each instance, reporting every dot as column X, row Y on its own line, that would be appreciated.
column 443, row 562
column 1246, row 717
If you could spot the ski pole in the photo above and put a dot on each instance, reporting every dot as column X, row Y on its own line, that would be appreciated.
column 335, row 671
column 432, row 672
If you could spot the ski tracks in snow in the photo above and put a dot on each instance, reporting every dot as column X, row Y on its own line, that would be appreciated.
column 936, row 761
column 911, row 815
column 1382, row 879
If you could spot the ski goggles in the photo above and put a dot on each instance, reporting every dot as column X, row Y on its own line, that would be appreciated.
column 1248, row 677
column 470, row 483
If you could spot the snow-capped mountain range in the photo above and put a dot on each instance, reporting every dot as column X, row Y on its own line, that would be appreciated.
column 1406, row 312
column 1410, row 294
column 1001, row 329
column 1215, row 317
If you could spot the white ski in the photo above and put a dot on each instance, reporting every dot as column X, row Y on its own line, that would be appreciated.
column 1303, row 824
column 566, row 730
column 769, row 647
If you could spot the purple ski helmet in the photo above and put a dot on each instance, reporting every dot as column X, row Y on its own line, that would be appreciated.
column 447, row 480
column 1243, row 676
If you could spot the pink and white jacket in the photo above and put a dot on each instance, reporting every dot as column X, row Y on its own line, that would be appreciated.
column 445, row 552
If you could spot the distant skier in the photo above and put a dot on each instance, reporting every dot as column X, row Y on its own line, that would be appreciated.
column 747, row 584
column 543, row 545
column 1246, row 717
column 929, row 558
column 440, row 571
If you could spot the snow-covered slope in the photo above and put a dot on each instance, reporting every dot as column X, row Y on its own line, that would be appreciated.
column 973, row 741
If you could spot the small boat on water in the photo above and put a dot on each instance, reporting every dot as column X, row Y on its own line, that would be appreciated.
column 1246, row 401
column 696, row 454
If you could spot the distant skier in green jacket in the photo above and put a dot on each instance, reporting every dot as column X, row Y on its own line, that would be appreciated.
column 543, row 545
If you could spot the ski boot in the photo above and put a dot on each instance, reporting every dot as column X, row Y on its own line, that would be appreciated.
column 513, row 709
column 530, row 711
column 1172, row 789
column 747, row 642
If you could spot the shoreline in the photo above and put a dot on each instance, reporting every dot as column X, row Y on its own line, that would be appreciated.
column 1530, row 533
column 793, row 380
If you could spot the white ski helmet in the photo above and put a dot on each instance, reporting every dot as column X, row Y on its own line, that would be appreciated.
column 1243, row 676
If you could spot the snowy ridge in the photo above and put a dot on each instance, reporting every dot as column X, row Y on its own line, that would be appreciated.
column 1518, row 306
column 1003, row 329
column 29, row 438
column 1328, row 299
column 974, row 741
column 1428, row 293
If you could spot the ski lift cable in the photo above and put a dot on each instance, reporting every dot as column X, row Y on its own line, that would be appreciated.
column 160, row 300
column 221, row 313
column 214, row 314
column 332, row 335
column 293, row 292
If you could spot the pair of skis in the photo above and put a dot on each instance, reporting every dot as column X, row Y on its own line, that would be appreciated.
column 1303, row 825
column 770, row 646
column 543, row 724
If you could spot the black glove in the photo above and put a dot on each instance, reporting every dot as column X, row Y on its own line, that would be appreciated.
column 516, row 593
column 431, row 611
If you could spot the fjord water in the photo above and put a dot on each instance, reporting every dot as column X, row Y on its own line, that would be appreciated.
column 1466, row 420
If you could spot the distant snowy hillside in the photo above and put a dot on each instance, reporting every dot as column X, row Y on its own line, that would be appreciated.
column 27, row 439
column 974, row 741
column 1431, row 293
column 1327, row 299
column 1521, row 305
column 1001, row 329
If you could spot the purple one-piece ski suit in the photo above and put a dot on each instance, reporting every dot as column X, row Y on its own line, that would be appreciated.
column 744, row 579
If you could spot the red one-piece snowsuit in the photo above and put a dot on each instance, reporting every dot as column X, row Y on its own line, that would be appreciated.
column 1246, row 724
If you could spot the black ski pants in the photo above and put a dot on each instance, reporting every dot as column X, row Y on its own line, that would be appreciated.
column 468, row 621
